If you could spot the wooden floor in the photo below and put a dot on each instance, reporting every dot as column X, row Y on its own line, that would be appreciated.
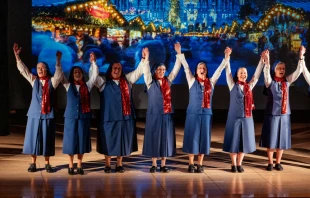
column 216, row 181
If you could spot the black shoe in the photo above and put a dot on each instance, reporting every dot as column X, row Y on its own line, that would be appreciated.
column 269, row 167
column 199, row 168
column 80, row 171
column 71, row 171
column 164, row 169
column 233, row 169
column 191, row 168
column 49, row 168
column 119, row 169
column 278, row 167
column 107, row 169
column 153, row 169
column 240, row 169
column 32, row 168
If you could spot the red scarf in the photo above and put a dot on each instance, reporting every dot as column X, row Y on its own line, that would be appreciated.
column 126, row 104
column 46, row 106
column 207, row 92
column 84, row 95
column 166, row 92
column 284, row 93
column 248, row 99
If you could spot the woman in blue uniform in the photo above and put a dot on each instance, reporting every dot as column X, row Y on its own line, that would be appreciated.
column 197, row 132
column 117, row 131
column 276, row 130
column 78, row 115
column 239, row 132
column 159, row 138
column 40, row 129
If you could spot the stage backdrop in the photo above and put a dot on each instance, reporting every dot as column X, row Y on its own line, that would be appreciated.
column 43, row 27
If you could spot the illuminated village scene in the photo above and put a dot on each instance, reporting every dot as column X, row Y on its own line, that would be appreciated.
column 120, row 29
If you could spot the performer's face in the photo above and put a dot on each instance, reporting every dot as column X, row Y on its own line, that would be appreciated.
column 242, row 74
column 280, row 70
column 160, row 71
column 41, row 70
column 77, row 74
column 202, row 71
column 116, row 70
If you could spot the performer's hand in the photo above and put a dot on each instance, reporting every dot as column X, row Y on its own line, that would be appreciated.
column 177, row 47
column 227, row 52
column 16, row 49
column 302, row 52
column 265, row 57
column 58, row 55
column 146, row 53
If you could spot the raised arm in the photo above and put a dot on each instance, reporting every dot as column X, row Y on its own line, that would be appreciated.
column 146, row 68
column 257, row 73
column 229, row 78
column 22, row 67
column 94, row 74
column 100, row 80
column 56, row 79
column 189, row 76
column 133, row 76
column 219, row 70
column 306, row 73
column 176, row 67
column 65, row 82
column 267, row 76
column 291, row 78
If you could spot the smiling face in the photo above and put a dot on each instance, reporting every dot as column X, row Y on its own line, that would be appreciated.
column 242, row 74
column 116, row 71
column 160, row 71
column 202, row 71
column 77, row 74
column 41, row 70
column 280, row 70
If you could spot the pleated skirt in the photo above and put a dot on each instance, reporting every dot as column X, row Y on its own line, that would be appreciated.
column 197, row 134
column 276, row 132
column 40, row 137
column 159, row 138
column 77, row 135
column 239, row 135
column 117, row 138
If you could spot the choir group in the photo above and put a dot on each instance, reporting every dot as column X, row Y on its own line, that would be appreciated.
column 117, row 129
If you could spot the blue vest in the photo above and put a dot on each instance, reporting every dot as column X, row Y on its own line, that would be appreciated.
column 36, row 101
column 155, row 99
column 274, row 99
column 236, row 104
column 74, row 106
column 111, row 103
column 196, row 96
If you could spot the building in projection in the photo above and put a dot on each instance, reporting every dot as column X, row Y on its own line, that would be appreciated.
column 186, row 15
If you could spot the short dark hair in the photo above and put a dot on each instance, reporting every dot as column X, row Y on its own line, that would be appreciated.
column 109, row 70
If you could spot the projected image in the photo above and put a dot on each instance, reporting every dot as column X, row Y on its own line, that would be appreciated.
column 120, row 29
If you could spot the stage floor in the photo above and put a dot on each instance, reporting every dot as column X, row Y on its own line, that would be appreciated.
column 216, row 181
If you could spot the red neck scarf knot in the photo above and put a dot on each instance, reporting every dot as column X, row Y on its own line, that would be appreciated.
column 206, row 102
column 166, row 93
column 45, row 105
column 248, row 99
column 126, row 103
column 84, row 96
column 284, row 93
